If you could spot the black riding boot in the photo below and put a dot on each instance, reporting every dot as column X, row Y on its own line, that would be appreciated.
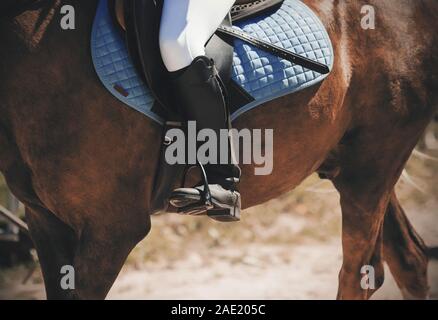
column 200, row 96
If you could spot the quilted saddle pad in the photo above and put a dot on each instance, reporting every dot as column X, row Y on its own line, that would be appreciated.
column 264, row 76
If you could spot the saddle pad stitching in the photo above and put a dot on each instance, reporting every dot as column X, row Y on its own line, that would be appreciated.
column 266, row 77
column 300, row 69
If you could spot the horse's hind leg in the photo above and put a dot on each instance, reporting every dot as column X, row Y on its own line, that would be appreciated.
column 405, row 252
column 369, row 169
column 55, row 244
column 362, row 217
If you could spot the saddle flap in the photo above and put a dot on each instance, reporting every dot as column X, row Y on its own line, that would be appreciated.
column 142, row 18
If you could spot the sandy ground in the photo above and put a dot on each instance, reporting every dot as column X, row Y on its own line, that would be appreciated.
column 305, row 270
column 307, row 275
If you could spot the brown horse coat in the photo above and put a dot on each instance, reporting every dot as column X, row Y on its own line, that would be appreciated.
column 83, row 163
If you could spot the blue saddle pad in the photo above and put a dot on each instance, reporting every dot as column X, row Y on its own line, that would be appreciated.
column 264, row 76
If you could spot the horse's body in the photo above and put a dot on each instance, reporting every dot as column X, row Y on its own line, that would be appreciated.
column 83, row 163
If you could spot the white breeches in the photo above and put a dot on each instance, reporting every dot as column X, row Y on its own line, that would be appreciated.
column 186, row 26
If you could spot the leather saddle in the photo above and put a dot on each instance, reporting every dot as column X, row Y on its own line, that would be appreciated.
column 140, row 22
column 140, row 19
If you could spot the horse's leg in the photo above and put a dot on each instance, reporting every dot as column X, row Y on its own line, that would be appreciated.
column 102, row 250
column 53, row 239
column 361, row 242
column 55, row 243
column 369, row 169
column 405, row 252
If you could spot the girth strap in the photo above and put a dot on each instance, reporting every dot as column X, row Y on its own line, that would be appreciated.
column 275, row 50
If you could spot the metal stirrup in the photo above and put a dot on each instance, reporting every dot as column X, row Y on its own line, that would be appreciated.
column 206, row 194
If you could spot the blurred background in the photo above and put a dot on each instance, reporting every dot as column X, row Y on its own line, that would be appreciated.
column 289, row 248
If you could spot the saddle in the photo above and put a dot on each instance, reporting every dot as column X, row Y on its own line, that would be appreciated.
column 139, row 21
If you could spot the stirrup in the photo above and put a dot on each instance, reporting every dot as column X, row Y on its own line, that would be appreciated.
column 205, row 204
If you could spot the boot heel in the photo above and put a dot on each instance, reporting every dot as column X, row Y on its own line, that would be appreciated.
column 225, row 215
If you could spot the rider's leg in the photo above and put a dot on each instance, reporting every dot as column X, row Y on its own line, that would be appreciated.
column 186, row 25
column 185, row 28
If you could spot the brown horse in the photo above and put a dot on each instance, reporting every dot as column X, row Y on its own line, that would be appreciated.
column 83, row 163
